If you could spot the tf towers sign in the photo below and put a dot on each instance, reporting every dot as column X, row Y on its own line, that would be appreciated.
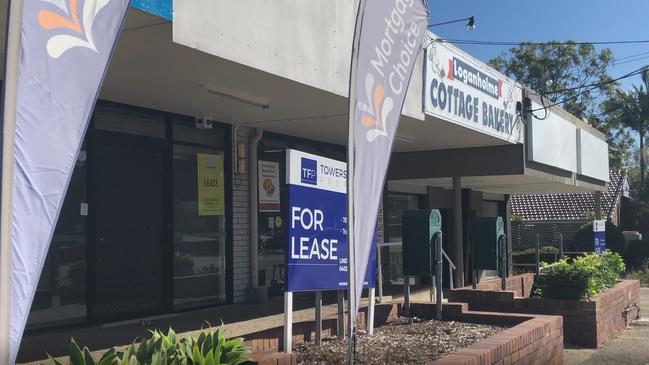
column 461, row 90
column 599, row 234
column 316, row 250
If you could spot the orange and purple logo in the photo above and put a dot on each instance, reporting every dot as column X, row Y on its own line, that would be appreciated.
column 73, row 20
column 377, row 109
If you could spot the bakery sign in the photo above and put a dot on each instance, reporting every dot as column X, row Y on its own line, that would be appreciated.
column 461, row 90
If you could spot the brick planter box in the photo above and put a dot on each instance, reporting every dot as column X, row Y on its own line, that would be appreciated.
column 531, row 339
column 587, row 323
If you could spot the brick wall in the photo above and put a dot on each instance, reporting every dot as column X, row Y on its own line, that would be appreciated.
column 521, row 285
column 586, row 323
column 240, row 220
column 530, row 339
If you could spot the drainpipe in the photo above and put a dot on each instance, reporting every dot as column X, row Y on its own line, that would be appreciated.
column 255, row 293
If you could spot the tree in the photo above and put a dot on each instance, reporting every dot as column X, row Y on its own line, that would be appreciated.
column 560, row 71
column 630, row 109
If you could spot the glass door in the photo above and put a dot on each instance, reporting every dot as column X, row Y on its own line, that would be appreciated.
column 199, row 239
column 129, row 226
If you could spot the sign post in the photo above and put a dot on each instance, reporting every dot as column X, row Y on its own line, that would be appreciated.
column 288, row 321
column 599, row 233
column 317, row 255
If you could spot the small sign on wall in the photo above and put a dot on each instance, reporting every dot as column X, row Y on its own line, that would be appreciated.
column 268, row 185
column 210, row 182
column 599, row 233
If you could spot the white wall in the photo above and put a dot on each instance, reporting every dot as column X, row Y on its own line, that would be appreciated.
column 553, row 140
column 305, row 41
column 592, row 156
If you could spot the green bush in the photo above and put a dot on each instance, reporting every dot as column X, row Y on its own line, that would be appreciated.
column 582, row 278
column 547, row 253
column 585, row 241
column 636, row 254
column 209, row 348
column 641, row 274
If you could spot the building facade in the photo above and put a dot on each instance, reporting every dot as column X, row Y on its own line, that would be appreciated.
column 215, row 96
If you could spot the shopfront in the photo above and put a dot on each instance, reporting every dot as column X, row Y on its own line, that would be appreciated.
column 273, row 207
column 144, row 228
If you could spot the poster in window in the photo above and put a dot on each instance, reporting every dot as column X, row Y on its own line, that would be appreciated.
column 268, row 174
column 211, row 194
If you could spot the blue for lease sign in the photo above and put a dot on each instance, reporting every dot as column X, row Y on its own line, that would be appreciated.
column 599, row 233
column 317, row 217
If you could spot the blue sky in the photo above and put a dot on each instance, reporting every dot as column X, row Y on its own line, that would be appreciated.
column 543, row 20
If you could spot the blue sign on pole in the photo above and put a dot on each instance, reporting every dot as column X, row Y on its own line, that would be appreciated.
column 599, row 233
column 317, row 225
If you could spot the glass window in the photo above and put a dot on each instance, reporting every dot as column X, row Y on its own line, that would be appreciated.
column 117, row 119
column 199, row 227
column 489, row 209
column 61, row 293
column 187, row 132
column 397, row 204
column 271, row 223
column 272, row 230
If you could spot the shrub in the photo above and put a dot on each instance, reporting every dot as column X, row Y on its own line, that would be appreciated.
column 585, row 241
column 582, row 278
column 209, row 348
column 636, row 254
column 641, row 274
column 81, row 356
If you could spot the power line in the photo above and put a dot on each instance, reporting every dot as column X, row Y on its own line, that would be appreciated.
column 512, row 43
column 630, row 60
column 587, row 89
column 601, row 83
column 630, row 56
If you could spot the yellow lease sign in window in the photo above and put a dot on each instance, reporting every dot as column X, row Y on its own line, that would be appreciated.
column 210, row 181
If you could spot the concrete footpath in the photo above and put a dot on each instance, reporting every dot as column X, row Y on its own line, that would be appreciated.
column 629, row 348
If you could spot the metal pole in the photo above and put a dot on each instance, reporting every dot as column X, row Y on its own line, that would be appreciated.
column 380, row 272
column 318, row 318
column 458, row 240
column 538, row 254
column 450, row 276
column 560, row 246
column 406, row 295
column 503, row 262
column 432, row 247
column 598, row 205
column 254, row 208
column 341, row 314
column 288, row 322
column 433, row 288
column 351, row 261
column 438, row 260
column 12, row 59
column 370, row 311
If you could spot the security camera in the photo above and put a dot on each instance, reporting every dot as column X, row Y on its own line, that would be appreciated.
column 204, row 123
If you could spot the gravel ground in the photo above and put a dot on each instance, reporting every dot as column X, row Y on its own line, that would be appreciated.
column 402, row 341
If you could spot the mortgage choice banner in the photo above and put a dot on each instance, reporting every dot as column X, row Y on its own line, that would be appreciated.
column 461, row 90
column 317, row 250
